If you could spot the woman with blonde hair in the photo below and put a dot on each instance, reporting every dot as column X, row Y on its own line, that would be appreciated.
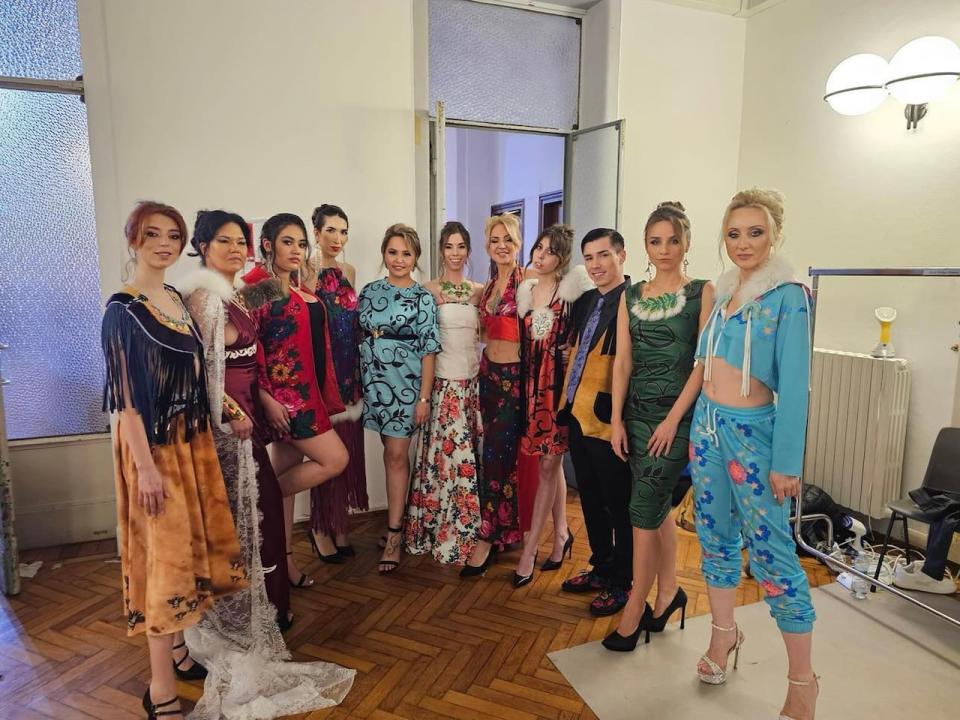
column 500, row 392
column 401, row 338
column 747, row 442
column 543, row 305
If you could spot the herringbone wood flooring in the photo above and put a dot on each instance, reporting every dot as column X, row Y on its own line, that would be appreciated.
column 424, row 643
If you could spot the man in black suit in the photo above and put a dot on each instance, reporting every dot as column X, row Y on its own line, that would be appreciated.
column 603, row 480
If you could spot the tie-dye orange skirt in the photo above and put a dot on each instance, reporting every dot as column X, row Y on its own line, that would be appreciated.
column 177, row 564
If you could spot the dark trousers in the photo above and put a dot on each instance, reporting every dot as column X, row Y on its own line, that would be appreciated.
column 939, row 537
column 605, row 484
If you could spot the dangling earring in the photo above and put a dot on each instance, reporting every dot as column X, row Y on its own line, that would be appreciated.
column 649, row 270
column 686, row 264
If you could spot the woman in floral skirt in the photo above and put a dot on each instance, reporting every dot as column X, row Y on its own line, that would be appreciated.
column 443, row 511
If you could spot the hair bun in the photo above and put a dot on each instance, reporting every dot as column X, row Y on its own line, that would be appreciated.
column 672, row 205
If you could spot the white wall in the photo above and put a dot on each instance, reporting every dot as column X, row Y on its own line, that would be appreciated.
column 680, row 88
column 258, row 108
column 600, row 64
column 862, row 191
column 532, row 165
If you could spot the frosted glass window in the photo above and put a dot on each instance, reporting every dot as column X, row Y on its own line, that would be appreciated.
column 39, row 39
column 49, row 274
column 498, row 64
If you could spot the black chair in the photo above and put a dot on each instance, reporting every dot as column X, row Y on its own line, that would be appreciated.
column 943, row 473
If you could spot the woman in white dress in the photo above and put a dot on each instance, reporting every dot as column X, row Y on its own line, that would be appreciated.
column 443, row 511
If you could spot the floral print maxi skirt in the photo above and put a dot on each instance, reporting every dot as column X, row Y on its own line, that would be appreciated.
column 177, row 564
column 443, row 515
column 500, row 387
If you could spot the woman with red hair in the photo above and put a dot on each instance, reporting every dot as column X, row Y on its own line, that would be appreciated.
column 177, row 540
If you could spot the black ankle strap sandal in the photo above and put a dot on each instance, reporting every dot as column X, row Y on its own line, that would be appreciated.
column 151, row 707
column 194, row 672
column 393, row 544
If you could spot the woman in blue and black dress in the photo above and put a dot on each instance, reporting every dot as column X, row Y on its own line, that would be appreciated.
column 401, row 337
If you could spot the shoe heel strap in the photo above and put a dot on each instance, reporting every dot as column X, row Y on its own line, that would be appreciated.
column 717, row 627
column 163, row 704
column 803, row 683
column 177, row 647
column 394, row 530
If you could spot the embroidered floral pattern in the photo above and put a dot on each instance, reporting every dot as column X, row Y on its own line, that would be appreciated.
column 290, row 372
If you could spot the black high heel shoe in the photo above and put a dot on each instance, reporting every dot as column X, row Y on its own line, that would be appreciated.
column 549, row 564
column 151, row 707
column 520, row 580
column 285, row 621
column 194, row 672
column 679, row 602
column 334, row 558
column 305, row 580
column 388, row 566
column 627, row 643
column 481, row 569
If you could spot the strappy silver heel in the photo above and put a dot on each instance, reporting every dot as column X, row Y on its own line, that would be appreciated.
column 718, row 676
column 803, row 683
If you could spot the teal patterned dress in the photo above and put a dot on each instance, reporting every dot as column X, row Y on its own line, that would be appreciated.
column 399, row 327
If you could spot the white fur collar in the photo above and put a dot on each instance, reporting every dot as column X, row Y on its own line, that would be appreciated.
column 209, row 280
column 574, row 284
column 775, row 272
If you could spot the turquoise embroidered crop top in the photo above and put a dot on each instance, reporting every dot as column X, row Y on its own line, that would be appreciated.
column 768, row 338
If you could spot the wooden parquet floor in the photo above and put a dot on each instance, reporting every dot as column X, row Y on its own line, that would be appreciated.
column 425, row 644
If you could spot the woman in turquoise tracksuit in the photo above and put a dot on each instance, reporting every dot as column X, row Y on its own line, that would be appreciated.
column 746, row 450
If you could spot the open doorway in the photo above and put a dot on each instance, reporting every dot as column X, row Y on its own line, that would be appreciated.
column 488, row 172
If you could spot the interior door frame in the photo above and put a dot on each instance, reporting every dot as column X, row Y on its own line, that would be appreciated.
column 438, row 157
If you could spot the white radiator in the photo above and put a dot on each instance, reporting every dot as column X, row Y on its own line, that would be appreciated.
column 856, row 429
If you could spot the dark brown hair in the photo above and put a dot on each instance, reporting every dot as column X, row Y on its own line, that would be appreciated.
column 561, row 245
column 453, row 227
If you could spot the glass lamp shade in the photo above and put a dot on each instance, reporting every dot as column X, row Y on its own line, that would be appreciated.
column 856, row 85
column 924, row 69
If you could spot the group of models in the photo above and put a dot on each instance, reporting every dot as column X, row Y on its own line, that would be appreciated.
column 635, row 380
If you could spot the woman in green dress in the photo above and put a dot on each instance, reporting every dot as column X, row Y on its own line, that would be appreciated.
column 655, row 385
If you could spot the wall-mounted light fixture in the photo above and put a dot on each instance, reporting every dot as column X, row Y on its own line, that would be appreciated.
column 856, row 86
column 920, row 71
